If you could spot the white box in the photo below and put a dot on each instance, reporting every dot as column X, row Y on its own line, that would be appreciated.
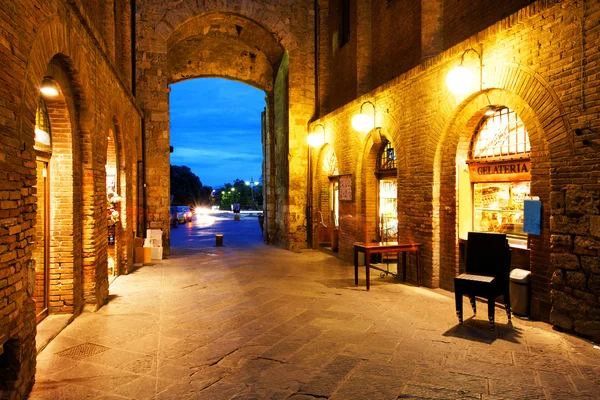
column 154, row 234
column 157, row 253
column 149, row 242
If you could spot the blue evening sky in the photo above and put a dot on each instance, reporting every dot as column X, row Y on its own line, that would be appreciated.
column 215, row 129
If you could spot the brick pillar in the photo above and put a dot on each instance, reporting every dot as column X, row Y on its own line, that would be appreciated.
column 432, row 24
column 153, row 95
column 108, row 26
column 125, row 47
column 363, row 47
column 323, row 67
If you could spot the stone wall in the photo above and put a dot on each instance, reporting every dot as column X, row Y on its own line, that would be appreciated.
column 430, row 127
column 59, row 39
column 245, row 41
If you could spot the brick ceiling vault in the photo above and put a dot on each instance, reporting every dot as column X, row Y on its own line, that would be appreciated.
column 226, row 45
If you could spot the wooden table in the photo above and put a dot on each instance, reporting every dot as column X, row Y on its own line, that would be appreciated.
column 385, row 247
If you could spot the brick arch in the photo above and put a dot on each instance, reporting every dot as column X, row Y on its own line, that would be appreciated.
column 550, row 134
column 366, row 182
column 253, row 10
column 53, row 42
column 321, row 188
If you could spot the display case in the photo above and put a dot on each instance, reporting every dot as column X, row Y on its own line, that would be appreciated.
column 498, row 207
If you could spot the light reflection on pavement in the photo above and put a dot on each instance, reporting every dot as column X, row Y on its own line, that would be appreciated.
column 200, row 233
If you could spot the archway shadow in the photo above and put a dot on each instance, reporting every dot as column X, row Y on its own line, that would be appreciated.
column 479, row 331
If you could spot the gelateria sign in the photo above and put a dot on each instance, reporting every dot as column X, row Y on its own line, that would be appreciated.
column 507, row 171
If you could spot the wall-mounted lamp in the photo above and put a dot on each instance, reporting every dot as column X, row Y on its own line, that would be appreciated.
column 315, row 139
column 49, row 87
column 460, row 79
column 363, row 122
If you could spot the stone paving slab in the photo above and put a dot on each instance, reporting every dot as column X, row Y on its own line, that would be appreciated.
column 264, row 323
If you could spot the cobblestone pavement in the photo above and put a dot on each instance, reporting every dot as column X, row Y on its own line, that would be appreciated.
column 257, row 322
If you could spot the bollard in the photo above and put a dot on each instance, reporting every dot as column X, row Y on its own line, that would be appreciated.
column 219, row 237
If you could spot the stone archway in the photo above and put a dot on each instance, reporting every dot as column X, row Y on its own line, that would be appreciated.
column 248, row 42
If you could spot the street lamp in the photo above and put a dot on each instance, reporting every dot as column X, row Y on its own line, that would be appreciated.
column 460, row 79
column 252, row 184
column 49, row 87
column 315, row 139
column 362, row 122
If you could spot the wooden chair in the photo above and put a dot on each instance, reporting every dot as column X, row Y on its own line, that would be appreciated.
column 486, row 274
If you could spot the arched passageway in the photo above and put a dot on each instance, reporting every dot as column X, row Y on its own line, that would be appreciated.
column 247, row 44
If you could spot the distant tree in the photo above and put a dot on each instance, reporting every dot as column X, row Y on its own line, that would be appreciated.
column 186, row 187
column 249, row 196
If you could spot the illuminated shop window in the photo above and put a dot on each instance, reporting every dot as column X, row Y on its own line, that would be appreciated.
column 388, row 193
column 42, row 127
column 499, row 170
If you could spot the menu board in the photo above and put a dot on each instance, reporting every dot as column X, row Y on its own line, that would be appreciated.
column 346, row 187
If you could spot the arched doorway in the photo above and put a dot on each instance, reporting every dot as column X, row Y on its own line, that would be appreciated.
column 113, row 207
column 387, row 193
column 328, row 200
column 41, row 254
column 494, row 177
column 57, row 276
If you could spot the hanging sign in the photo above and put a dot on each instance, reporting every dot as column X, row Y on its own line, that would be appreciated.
column 507, row 171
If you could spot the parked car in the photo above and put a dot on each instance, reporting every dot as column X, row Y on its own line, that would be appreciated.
column 183, row 214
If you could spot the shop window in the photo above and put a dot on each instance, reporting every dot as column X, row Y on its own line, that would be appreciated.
column 498, row 177
column 387, row 193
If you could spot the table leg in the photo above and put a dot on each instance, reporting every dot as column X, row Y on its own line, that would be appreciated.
column 403, row 266
column 355, row 266
column 368, row 267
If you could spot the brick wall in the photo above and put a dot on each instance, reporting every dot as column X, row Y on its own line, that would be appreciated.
column 396, row 38
column 59, row 39
column 342, row 60
column 431, row 128
column 463, row 19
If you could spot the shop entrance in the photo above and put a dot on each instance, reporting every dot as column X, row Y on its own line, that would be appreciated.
column 113, row 206
column 41, row 254
column 329, row 201
column 387, row 189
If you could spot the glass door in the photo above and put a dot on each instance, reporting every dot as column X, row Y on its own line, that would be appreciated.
column 335, row 214
column 388, row 210
column 42, row 251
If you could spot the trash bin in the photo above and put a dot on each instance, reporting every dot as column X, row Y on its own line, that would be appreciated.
column 519, row 292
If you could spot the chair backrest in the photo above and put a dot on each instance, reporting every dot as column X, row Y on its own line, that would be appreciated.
column 488, row 254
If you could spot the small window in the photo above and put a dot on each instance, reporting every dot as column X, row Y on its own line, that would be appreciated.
column 387, row 158
column 500, row 136
column 344, row 22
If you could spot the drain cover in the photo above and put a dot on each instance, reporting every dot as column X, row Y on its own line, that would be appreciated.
column 82, row 351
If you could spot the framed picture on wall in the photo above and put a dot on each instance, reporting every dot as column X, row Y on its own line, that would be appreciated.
column 346, row 187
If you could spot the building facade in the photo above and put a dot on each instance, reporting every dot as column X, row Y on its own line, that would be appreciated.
column 86, row 159
column 70, row 147
column 527, row 129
